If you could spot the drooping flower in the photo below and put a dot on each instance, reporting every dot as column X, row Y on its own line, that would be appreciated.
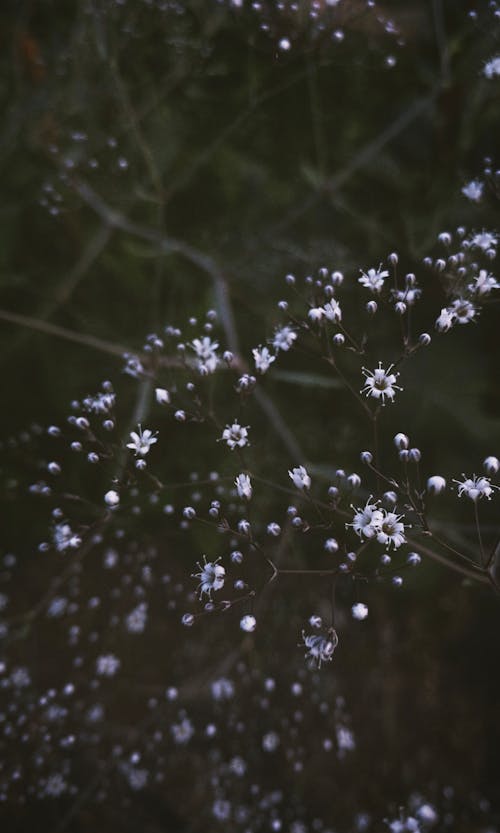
column 243, row 486
column 211, row 575
column 300, row 477
column 380, row 383
column 320, row 648
column 141, row 441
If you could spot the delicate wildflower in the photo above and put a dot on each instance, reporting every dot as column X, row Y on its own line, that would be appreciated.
column 107, row 665
column 492, row 68
column 211, row 575
column 133, row 366
column 248, row 623
column 182, row 732
column 391, row 530
column 300, row 477
column 475, row 487
column 206, row 353
column 380, row 383
column 112, row 498
column 333, row 311
column 407, row 296
column 473, row 190
column 320, row 648
column 235, row 435
column 373, row 279
column 445, row 320
column 244, row 486
column 359, row 611
column 316, row 314
column 263, row 358
column 162, row 396
column 483, row 284
column 366, row 522
column 65, row 538
column 462, row 311
column 491, row 465
column 284, row 338
column 101, row 403
column 484, row 240
column 142, row 441
column 436, row 484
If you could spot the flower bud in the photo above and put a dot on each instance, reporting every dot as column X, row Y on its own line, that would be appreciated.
column 436, row 484
column 491, row 465
column 371, row 307
column 366, row 457
column 401, row 441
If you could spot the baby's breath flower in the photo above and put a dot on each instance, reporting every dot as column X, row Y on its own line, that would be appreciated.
column 284, row 338
column 473, row 190
column 492, row 68
column 162, row 396
column 235, row 435
column 320, row 648
column 366, row 522
column 445, row 320
column 359, row 611
column 462, row 311
column 263, row 358
column 211, row 575
column 436, row 484
column 484, row 240
column 491, row 465
column 141, row 441
column 206, row 353
column 391, row 530
column 300, row 477
column 373, row 279
column 483, row 284
column 248, row 623
column 112, row 498
column 244, row 486
column 380, row 383
column 475, row 487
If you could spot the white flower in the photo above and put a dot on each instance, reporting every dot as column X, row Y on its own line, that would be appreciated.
column 491, row 465
column 244, row 486
column 182, row 732
column 445, row 320
column 300, row 477
column 107, row 665
column 462, row 311
column 391, row 530
column 112, row 498
column 316, row 314
column 483, row 283
column 332, row 310
column 475, row 487
column 484, row 240
column 65, row 538
column 492, row 68
column 359, row 611
column 142, row 441
column 211, row 576
column 366, row 522
column 373, row 279
column 263, row 358
column 235, row 435
column 206, row 353
column 162, row 396
column 436, row 484
column 248, row 623
column 284, row 338
column 473, row 190
column 380, row 383
column 407, row 296
column 320, row 648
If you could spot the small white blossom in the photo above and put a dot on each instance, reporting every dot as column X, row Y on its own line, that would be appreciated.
column 391, row 530
column 483, row 284
column 211, row 575
column 380, row 383
column 248, row 623
column 475, row 487
column 492, row 68
column 300, row 477
column 65, row 538
column 366, row 522
column 142, row 441
column 359, row 611
column 473, row 190
column 107, row 665
column 235, row 435
column 206, row 353
column 244, row 486
column 436, row 484
column 284, row 338
column 373, row 279
column 462, row 311
column 333, row 311
column 182, row 732
column 491, row 465
column 162, row 396
column 320, row 648
column 484, row 240
column 112, row 498
column 263, row 358
column 445, row 320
